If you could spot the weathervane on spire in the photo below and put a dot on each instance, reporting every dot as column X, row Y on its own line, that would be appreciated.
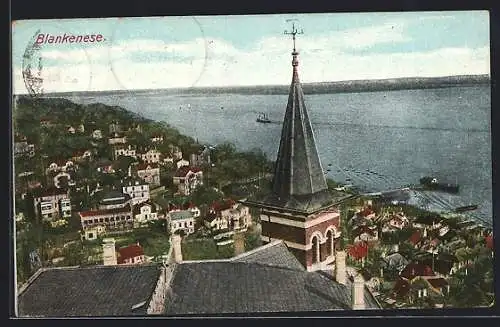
column 293, row 32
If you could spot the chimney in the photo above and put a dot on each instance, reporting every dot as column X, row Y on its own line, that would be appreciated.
column 358, row 293
column 340, row 267
column 176, row 243
column 109, row 252
column 239, row 243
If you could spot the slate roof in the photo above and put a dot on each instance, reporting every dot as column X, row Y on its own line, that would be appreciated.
column 89, row 291
column 273, row 254
column 183, row 214
column 242, row 287
column 299, row 181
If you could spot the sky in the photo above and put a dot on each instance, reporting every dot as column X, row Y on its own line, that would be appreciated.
column 200, row 51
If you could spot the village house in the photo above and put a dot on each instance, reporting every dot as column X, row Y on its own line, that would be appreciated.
column 128, row 151
column 52, row 204
column 46, row 122
column 394, row 262
column 151, row 156
column 24, row 149
column 117, row 219
column 60, row 165
column 156, row 138
column 150, row 173
column 71, row 130
column 182, row 163
column 115, row 127
column 97, row 134
column 105, row 166
column 423, row 276
column 200, row 158
column 181, row 220
column 365, row 234
column 396, row 222
column 229, row 215
column 132, row 254
column 81, row 155
column 145, row 212
column 137, row 189
column 115, row 200
column 187, row 179
column 116, row 138
column 81, row 128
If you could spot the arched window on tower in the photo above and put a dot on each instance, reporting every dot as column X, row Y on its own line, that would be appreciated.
column 330, row 242
column 315, row 249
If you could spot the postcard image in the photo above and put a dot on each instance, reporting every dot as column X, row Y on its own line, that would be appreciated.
column 252, row 165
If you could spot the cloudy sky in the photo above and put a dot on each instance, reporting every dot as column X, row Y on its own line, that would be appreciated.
column 143, row 53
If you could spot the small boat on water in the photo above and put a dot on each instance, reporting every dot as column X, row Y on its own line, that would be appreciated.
column 432, row 184
column 262, row 118
column 466, row 208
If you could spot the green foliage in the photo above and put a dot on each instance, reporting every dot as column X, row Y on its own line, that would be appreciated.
column 204, row 195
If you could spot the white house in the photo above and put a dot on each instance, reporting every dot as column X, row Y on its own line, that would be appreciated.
column 181, row 220
column 228, row 214
column 117, row 139
column 150, row 173
column 187, row 179
column 151, row 156
column 182, row 163
column 144, row 212
column 137, row 189
column 156, row 138
column 125, row 152
column 52, row 204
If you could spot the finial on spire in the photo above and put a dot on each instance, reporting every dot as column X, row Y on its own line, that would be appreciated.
column 293, row 32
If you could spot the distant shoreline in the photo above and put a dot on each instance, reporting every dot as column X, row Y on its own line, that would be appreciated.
column 352, row 86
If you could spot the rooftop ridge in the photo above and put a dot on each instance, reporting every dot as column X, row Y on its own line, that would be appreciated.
column 258, row 249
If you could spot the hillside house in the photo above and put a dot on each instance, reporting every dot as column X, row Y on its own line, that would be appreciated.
column 117, row 138
column 229, row 215
column 118, row 219
column 115, row 200
column 151, row 156
column 187, row 179
column 82, row 155
column 132, row 254
column 52, row 204
column 156, row 138
column 138, row 190
column 24, row 149
column 60, row 165
column 145, row 212
column 182, row 163
column 181, row 220
column 150, row 173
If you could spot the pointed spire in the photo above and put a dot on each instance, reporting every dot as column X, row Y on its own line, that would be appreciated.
column 299, row 182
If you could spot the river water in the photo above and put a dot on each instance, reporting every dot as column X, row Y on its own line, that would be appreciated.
column 375, row 140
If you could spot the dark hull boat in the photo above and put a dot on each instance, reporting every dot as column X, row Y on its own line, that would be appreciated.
column 262, row 118
column 432, row 184
column 466, row 208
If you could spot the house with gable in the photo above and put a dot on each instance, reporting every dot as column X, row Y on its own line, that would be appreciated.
column 187, row 179
column 132, row 254
column 150, row 173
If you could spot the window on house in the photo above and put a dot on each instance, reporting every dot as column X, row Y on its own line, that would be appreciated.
column 91, row 235
column 191, row 223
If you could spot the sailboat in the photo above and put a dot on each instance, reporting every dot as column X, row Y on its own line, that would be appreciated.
column 262, row 118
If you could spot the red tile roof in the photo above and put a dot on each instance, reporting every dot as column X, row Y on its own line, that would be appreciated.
column 144, row 166
column 438, row 282
column 414, row 269
column 401, row 288
column 489, row 241
column 92, row 213
column 366, row 212
column 130, row 252
column 218, row 206
column 415, row 238
column 184, row 170
column 358, row 250
column 363, row 229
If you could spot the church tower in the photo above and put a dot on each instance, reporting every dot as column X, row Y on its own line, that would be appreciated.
column 300, row 209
